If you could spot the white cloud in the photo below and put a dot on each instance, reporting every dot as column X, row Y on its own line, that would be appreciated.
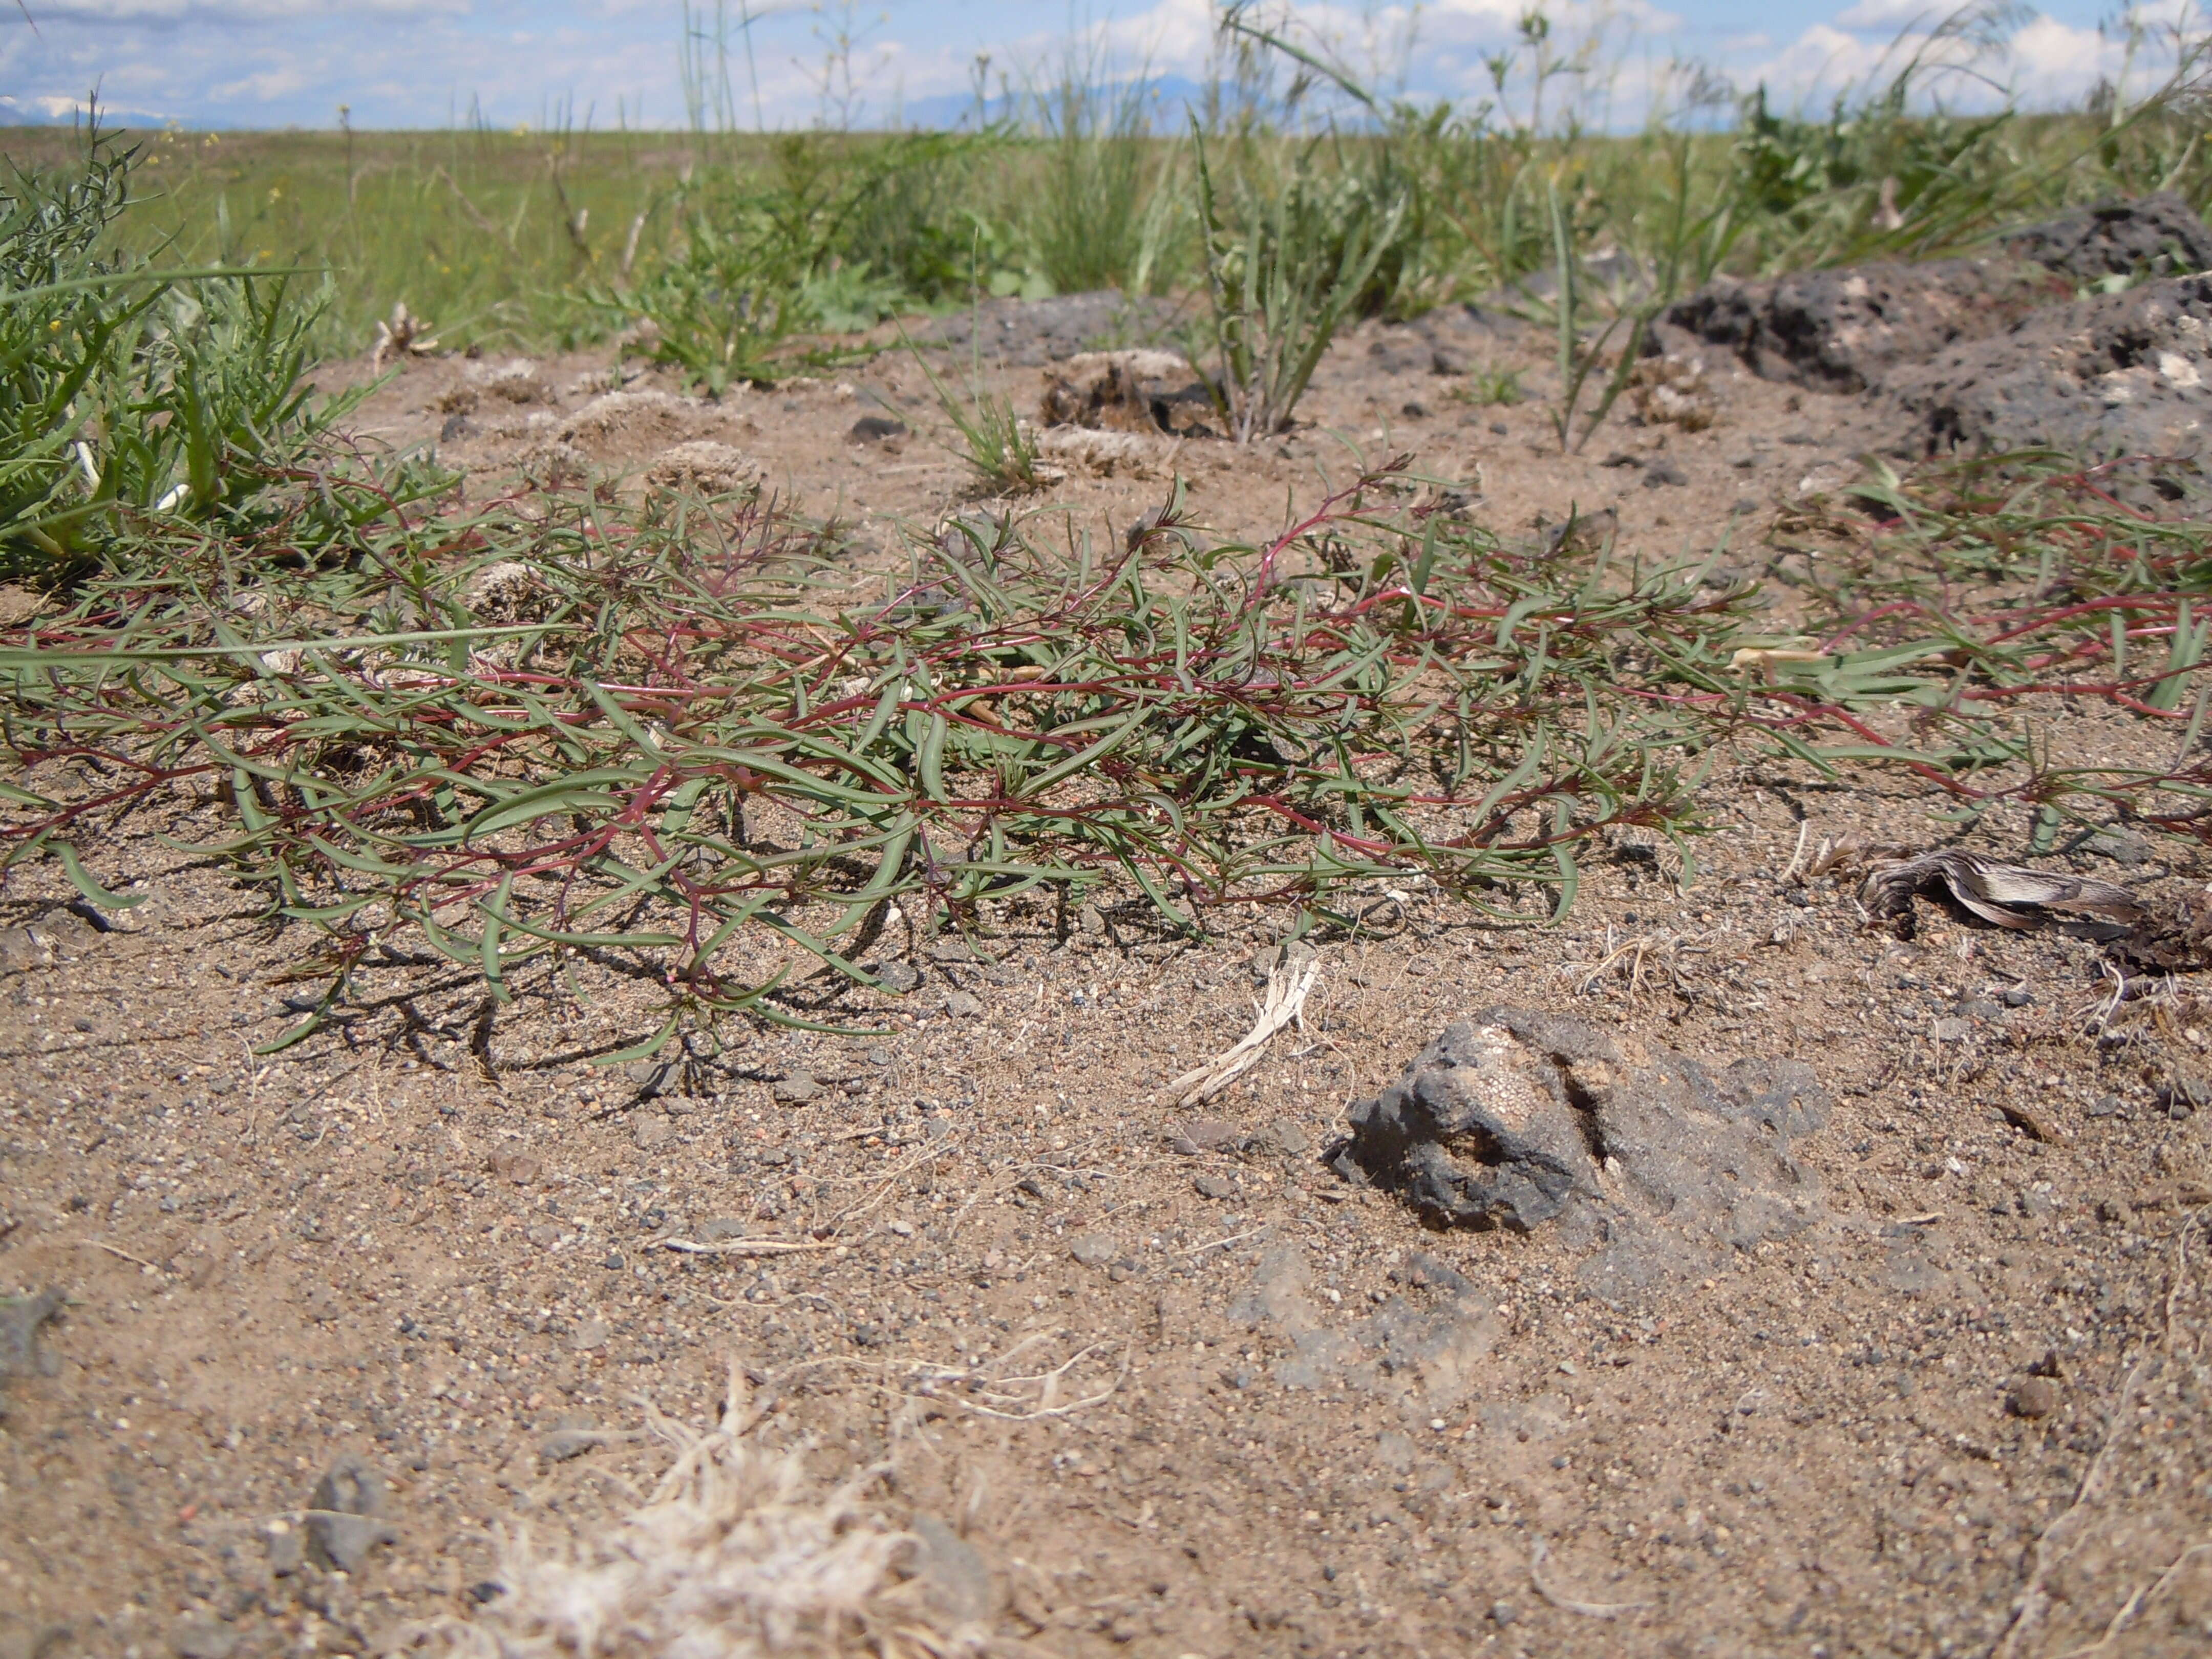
column 217, row 13
column 1888, row 15
column 416, row 62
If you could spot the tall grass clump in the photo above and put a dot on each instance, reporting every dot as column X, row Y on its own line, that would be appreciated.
column 130, row 391
column 1094, row 156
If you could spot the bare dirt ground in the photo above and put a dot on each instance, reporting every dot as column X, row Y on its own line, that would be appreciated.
column 1154, row 1382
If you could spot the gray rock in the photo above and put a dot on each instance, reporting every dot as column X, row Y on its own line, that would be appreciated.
column 963, row 1005
column 562, row 1445
column 875, row 429
column 1092, row 1249
column 1659, row 473
column 287, row 1548
column 1286, row 1138
column 2154, row 235
column 21, row 1353
column 955, row 1580
column 1846, row 330
column 345, row 1516
column 796, row 1089
column 1214, row 1186
column 2120, row 373
column 651, row 1130
column 898, row 976
column 1508, row 1118
column 591, row 1333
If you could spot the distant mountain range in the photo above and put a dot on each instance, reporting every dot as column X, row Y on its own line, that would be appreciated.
column 1169, row 101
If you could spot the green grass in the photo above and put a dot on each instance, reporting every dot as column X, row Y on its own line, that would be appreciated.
column 534, row 239
column 707, row 741
column 694, row 739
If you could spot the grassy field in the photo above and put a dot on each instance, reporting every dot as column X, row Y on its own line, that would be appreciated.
column 543, row 239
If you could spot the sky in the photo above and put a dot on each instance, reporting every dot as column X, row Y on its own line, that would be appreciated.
column 273, row 64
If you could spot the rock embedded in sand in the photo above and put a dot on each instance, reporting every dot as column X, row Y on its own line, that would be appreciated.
column 1852, row 329
column 2120, row 373
column 706, row 467
column 1510, row 1118
column 1131, row 392
column 345, row 1516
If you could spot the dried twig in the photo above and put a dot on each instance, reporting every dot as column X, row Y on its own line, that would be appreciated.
column 744, row 1246
column 1288, row 982
column 118, row 1250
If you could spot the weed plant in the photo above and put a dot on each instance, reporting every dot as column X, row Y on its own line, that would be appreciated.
column 691, row 740
column 129, row 391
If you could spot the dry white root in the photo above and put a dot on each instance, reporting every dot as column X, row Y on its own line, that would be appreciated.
column 1292, row 974
column 732, row 1556
column 405, row 335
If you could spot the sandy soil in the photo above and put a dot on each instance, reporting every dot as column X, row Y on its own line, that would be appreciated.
column 1265, row 1411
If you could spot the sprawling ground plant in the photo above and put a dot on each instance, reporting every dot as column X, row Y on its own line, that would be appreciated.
column 1976, row 593
column 695, row 740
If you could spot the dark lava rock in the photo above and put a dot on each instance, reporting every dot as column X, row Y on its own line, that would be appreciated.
column 2156, row 235
column 2120, row 373
column 875, row 429
column 1850, row 328
column 1510, row 1117
column 1844, row 331
column 1033, row 332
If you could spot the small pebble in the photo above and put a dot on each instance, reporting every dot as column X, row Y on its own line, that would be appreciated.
column 2034, row 1396
column 1092, row 1249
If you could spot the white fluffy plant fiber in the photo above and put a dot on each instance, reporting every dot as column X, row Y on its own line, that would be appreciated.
column 732, row 1557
